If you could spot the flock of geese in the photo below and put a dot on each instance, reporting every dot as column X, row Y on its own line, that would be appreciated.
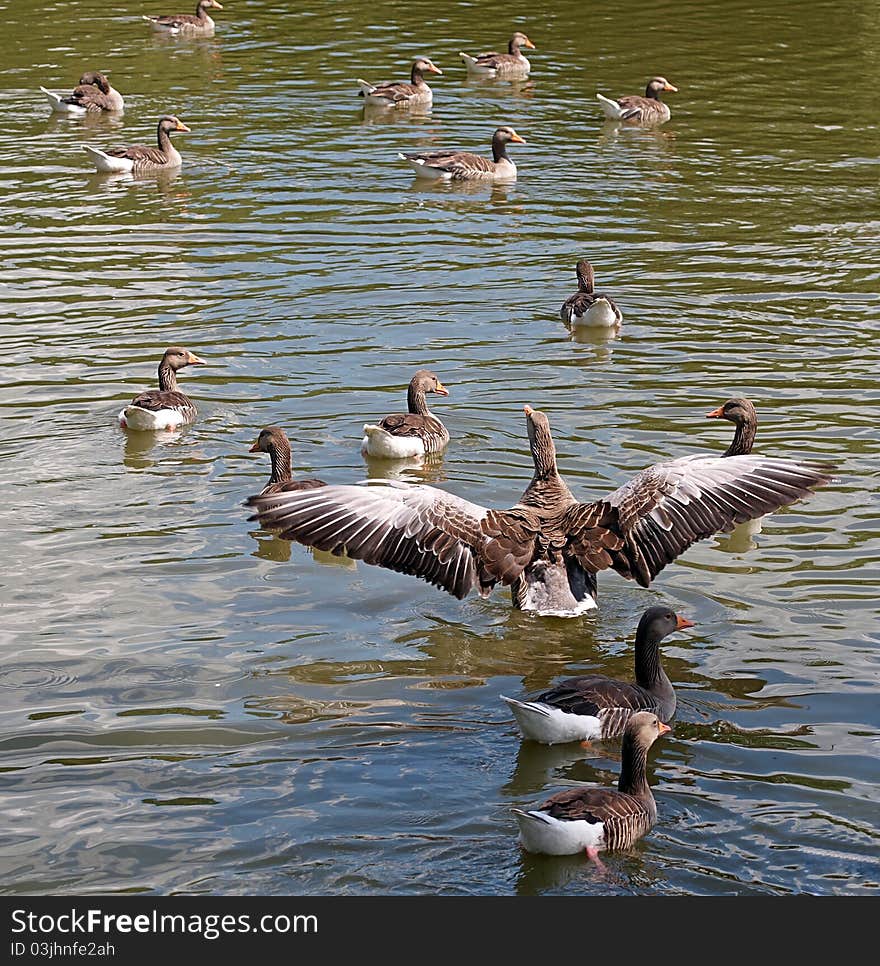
column 549, row 547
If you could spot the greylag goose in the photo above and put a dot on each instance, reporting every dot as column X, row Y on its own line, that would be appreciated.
column 417, row 432
column 511, row 64
column 198, row 24
column 273, row 440
column 92, row 94
column 166, row 407
column 400, row 95
column 138, row 157
column 464, row 166
column 594, row 818
column 548, row 548
column 594, row 706
column 648, row 109
column 742, row 414
column 588, row 308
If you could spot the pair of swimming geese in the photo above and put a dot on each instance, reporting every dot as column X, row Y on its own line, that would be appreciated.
column 548, row 548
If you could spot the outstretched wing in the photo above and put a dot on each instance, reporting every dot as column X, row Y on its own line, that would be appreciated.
column 645, row 524
column 411, row 528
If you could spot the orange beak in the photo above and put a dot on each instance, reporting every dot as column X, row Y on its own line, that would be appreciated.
column 669, row 87
column 182, row 127
column 528, row 44
column 218, row 5
column 528, row 410
column 191, row 358
column 682, row 622
column 716, row 413
column 516, row 139
column 433, row 69
column 441, row 389
column 663, row 728
column 256, row 447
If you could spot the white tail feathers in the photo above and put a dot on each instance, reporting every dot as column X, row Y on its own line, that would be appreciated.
column 105, row 163
column 365, row 86
column 611, row 108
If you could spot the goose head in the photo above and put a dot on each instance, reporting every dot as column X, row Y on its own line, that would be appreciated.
column 426, row 381
column 94, row 78
column 657, row 622
column 176, row 357
column 643, row 729
column 658, row 84
column 170, row 123
column 736, row 410
column 506, row 135
column 270, row 438
column 424, row 65
column 519, row 39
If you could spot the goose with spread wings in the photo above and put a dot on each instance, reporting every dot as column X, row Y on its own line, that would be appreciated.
column 549, row 547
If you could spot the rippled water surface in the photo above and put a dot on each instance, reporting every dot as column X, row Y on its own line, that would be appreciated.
column 189, row 705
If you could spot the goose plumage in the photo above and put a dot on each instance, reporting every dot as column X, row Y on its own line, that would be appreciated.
column 417, row 432
column 92, row 95
column 400, row 94
column 588, row 307
column 465, row 166
column 646, row 110
column 512, row 64
column 549, row 547
column 742, row 414
column 274, row 441
column 591, row 819
column 166, row 407
column 138, row 158
column 198, row 24
column 593, row 706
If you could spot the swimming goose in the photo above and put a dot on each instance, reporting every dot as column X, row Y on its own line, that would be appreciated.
column 417, row 432
column 138, row 157
column 648, row 109
column 511, row 64
column 742, row 413
column 166, row 407
column 198, row 24
column 399, row 95
column 92, row 94
column 548, row 548
column 594, row 706
column 594, row 818
column 464, row 166
column 588, row 308
column 273, row 440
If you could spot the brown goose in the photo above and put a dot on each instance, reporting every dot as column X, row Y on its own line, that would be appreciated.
column 587, row 307
column 417, row 432
column 401, row 95
column 92, row 94
column 166, row 407
column 594, row 706
column 138, row 157
column 198, row 24
column 648, row 109
column 549, row 547
column 511, row 64
column 273, row 440
column 742, row 414
column 464, row 166
column 594, row 818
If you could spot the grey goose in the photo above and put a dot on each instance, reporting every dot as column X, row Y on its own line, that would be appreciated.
column 594, row 818
column 647, row 110
column 549, row 547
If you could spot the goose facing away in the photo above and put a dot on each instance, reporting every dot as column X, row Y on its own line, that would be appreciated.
column 512, row 64
column 273, row 440
column 465, row 166
column 549, row 547
column 401, row 95
column 587, row 307
column 166, row 407
column 198, row 24
column 138, row 158
column 648, row 109
column 742, row 414
column 417, row 432
column 594, row 706
column 91, row 95
column 594, row 818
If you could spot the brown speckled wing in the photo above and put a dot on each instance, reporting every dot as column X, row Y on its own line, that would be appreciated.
column 590, row 694
column 90, row 97
column 394, row 91
column 410, row 528
column 460, row 164
column 179, row 20
column 141, row 154
column 157, row 399
column 625, row 817
column 410, row 424
column 658, row 514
